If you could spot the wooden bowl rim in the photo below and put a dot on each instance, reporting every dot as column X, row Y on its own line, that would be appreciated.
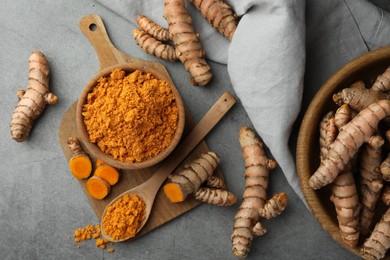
column 96, row 151
column 309, row 126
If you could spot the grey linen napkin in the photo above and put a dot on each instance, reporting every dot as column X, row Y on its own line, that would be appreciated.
column 280, row 55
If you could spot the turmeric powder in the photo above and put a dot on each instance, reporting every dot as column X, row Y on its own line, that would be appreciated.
column 131, row 117
column 86, row 233
column 123, row 217
column 91, row 231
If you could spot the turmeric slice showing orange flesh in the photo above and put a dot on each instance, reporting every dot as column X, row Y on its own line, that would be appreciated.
column 97, row 187
column 80, row 166
column 107, row 173
column 173, row 192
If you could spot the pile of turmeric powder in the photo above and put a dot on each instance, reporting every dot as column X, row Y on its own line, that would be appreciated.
column 131, row 117
column 91, row 231
column 123, row 217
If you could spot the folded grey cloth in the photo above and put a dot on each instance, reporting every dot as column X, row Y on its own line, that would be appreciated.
column 279, row 54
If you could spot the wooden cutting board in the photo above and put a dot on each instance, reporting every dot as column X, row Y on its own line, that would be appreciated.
column 163, row 210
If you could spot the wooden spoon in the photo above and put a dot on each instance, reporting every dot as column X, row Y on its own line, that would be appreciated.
column 147, row 191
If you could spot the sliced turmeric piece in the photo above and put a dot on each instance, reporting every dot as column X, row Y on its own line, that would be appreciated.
column 80, row 164
column 107, row 173
column 97, row 187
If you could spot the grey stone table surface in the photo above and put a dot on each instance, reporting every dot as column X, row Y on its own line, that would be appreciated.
column 41, row 204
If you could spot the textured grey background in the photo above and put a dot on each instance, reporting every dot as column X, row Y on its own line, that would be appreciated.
column 41, row 204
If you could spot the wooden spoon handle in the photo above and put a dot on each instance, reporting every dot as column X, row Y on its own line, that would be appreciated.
column 198, row 133
column 93, row 28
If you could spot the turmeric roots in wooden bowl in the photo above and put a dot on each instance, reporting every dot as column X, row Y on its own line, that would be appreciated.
column 343, row 155
column 129, row 116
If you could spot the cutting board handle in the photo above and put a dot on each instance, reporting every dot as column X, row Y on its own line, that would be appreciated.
column 93, row 28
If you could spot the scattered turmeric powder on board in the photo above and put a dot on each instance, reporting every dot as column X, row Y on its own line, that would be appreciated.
column 91, row 231
column 131, row 117
column 123, row 217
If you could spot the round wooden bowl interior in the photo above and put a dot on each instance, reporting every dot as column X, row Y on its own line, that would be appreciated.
column 96, row 151
column 366, row 67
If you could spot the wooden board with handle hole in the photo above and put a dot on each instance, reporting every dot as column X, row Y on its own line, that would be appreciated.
column 163, row 210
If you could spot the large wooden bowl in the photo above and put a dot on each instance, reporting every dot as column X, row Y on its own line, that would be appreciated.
column 96, row 151
column 366, row 67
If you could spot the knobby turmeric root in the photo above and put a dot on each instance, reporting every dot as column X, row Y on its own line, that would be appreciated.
column 186, row 41
column 190, row 179
column 342, row 116
column 156, row 31
column 274, row 206
column 349, row 140
column 371, row 180
column 358, row 97
column 246, row 220
column 386, row 195
column 80, row 164
column 347, row 206
column 218, row 197
column 344, row 193
column 215, row 182
column 219, row 15
column 385, row 165
column 382, row 82
column 154, row 47
column 34, row 99
column 97, row 187
column 323, row 129
column 378, row 243
column 385, row 168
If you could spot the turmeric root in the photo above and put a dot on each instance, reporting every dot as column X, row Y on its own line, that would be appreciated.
column 34, row 99
column 259, row 229
column 323, row 129
column 371, row 180
column 156, row 31
column 154, row 47
column 215, row 182
column 346, row 201
column 186, row 41
column 358, row 97
column 386, row 195
column 274, row 206
column 219, row 197
column 97, row 187
column 256, row 184
column 344, row 193
column 382, row 82
column 190, row 179
column 385, row 168
column 219, row 15
column 349, row 140
column 80, row 164
column 342, row 116
column 107, row 173
column 378, row 243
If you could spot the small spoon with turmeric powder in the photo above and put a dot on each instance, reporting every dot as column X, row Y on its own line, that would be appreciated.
column 125, row 216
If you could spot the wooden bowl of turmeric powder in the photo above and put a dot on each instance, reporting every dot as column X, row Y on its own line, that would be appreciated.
column 314, row 148
column 130, row 117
